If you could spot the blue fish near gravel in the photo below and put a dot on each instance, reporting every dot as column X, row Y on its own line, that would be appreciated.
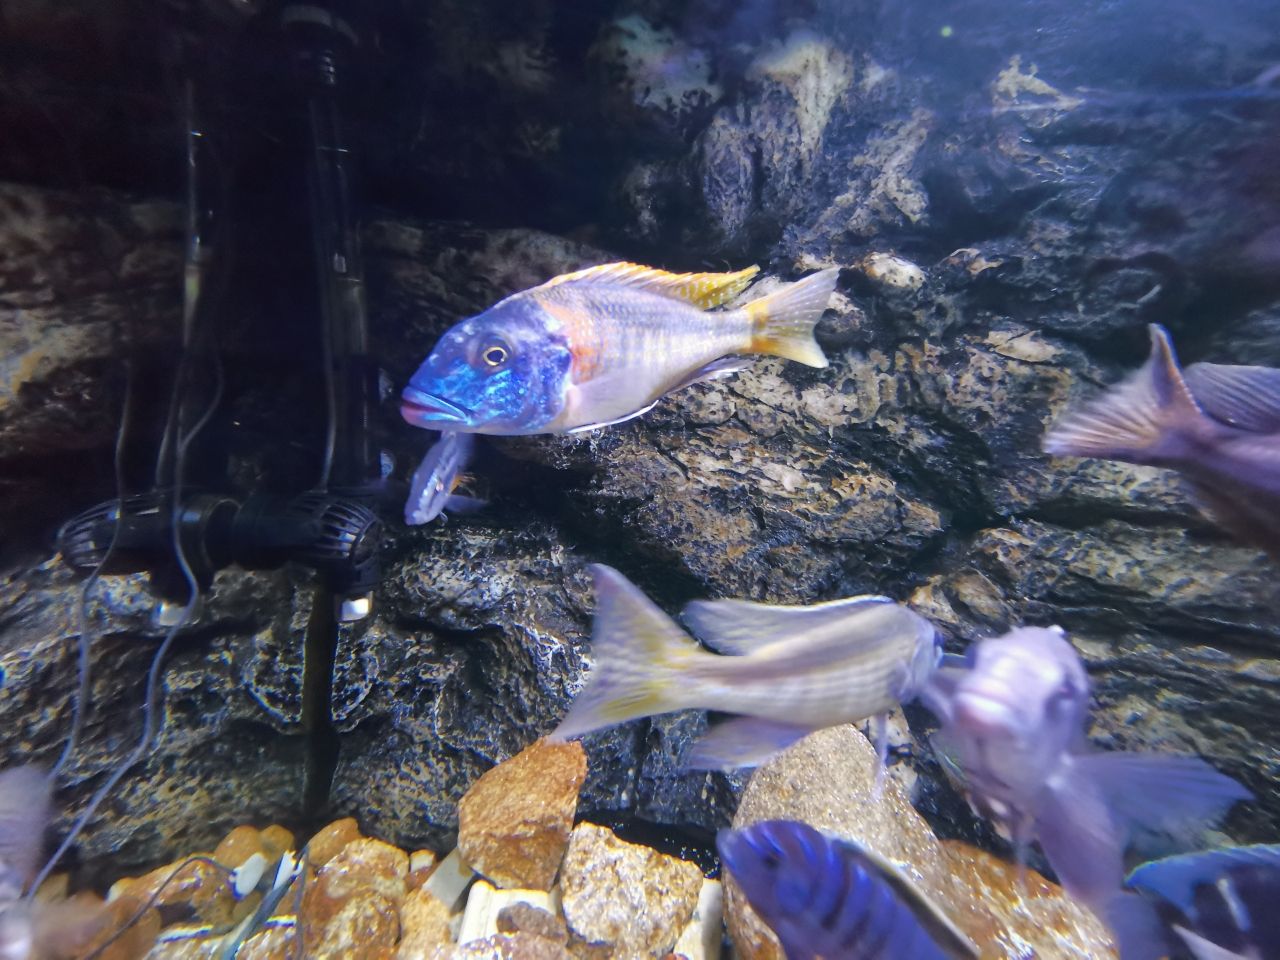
column 829, row 898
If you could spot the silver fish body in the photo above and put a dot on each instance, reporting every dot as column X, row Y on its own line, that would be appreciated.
column 786, row 671
column 431, row 488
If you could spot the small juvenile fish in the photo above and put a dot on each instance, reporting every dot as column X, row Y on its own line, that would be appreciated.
column 1015, row 722
column 1222, row 904
column 433, row 483
column 1217, row 425
column 788, row 670
column 603, row 345
column 831, row 899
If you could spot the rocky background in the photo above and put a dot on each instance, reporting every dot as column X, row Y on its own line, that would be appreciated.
column 1013, row 191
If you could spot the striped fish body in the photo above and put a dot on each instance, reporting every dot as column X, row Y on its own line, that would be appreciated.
column 603, row 345
column 630, row 347
column 828, row 898
column 823, row 676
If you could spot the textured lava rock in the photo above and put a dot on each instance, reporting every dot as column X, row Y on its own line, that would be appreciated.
column 513, row 823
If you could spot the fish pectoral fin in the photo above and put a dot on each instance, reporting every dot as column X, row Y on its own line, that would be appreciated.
column 741, row 627
column 1245, row 397
column 703, row 290
column 1203, row 949
column 1131, row 420
column 715, row 370
column 742, row 742
column 1157, row 792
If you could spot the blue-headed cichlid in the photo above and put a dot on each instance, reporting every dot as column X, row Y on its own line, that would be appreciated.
column 604, row 344
column 831, row 899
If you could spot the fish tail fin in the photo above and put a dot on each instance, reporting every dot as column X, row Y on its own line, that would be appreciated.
column 1139, row 419
column 782, row 323
column 640, row 655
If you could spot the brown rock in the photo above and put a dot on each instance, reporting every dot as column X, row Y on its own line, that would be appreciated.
column 366, row 928
column 276, row 840
column 507, row 946
column 272, row 943
column 622, row 898
column 238, row 846
column 513, row 823
column 184, row 888
column 827, row 780
column 179, row 946
column 526, row 918
column 361, row 868
column 330, row 840
column 424, row 925
column 988, row 903
column 131, row 930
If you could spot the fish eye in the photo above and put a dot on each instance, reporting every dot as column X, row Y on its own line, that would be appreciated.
column 495, row 354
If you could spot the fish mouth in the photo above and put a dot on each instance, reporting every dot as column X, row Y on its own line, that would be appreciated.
column 425, row 410
column 984, row 715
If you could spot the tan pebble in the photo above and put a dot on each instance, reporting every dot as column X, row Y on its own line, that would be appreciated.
column 514, row 822
column 131, row 935
column 276, row 840
column 366, row 928
column 243, row 908
column 238, row 846
column 329, row 841
column 422, row 863
column 424, row 925
column 173, row 945
column 273, row 943
column 195, row 884
column 54, row 888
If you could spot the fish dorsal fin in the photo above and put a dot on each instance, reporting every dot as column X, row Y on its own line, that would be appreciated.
column 740, row 627
column 703, row 290
column 1244, row 397
column 941, row 927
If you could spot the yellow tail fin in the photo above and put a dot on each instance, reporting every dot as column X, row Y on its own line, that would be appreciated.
column 782, row 323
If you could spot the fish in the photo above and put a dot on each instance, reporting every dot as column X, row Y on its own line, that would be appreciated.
column 1014, row 719
column 431, row 491
column 1220, row 904
column 783, row 671
column 25, row 806
column 833, row 899
column 605, row 344
column 1217, row 425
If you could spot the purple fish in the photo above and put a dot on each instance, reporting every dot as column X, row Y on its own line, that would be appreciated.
column 830, row 898
column 1217, row 425
column 1015, row 722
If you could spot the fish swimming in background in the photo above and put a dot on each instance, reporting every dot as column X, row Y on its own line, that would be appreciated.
column 1015, row 720
column 431, row 491
column 24, row 813
column 832, row 899
column 1221, row 904
column 603, row 345
column 787, row 672
column 1218, row 425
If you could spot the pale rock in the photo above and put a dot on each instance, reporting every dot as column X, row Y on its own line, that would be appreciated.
column 238, row 846
column 422, row 863
column 622, row 899
column 893, row 271
column 700, row 940
column 485, row 902
column 275, row 942
column 449, row 881
column 513, row 823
